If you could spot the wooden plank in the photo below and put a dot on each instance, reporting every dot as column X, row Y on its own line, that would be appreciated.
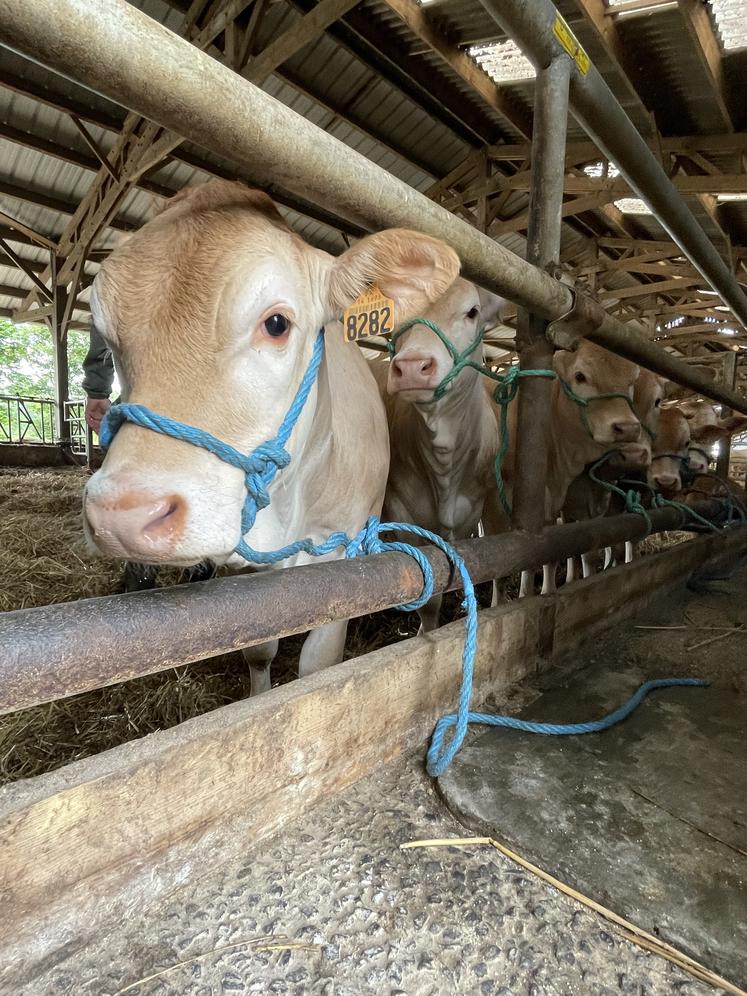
column 30, row 234
column 306, row 30
column 83, row 845
column 586, row 151
column 656, row 287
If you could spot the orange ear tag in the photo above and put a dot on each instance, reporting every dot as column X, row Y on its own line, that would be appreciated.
column 370, row 315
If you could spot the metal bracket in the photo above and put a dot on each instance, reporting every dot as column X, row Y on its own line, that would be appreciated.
column 584, row 315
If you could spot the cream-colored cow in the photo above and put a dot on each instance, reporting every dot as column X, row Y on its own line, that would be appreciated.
column 442, row 450
column 212, row 311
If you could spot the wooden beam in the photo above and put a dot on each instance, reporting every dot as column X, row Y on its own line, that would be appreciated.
column 708, row 51
column 31, row 235
column 94, row 146
column 570, row 208
column 305, row 31
column 42, row 199
column 417, row 19
column 656, row 287
column 579, row 152
column 25, row 266
column 697, row 184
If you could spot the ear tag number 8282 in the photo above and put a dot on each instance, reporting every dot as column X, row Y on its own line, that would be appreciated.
column 370, row 315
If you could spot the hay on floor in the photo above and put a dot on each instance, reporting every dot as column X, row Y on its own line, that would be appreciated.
column 45, row 560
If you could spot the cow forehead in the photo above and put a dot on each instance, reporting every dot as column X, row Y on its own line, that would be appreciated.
column 674, row 432
column 605, row 369
column 177, row 268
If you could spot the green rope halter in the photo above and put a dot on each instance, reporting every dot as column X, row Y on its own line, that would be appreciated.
column 461, row 360
column 505, row 391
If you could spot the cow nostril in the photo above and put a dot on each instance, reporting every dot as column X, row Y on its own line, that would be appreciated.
column 427, row 365
column 165, row 515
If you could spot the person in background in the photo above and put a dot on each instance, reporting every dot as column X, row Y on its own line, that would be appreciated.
column 98, row 378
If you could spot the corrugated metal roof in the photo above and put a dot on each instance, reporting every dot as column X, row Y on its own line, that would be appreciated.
column 393, row 123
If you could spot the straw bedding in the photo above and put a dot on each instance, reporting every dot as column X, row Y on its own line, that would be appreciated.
column 44, row 560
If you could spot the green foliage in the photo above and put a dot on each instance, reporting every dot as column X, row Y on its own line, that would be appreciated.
column 27, row 361
column 27, row 370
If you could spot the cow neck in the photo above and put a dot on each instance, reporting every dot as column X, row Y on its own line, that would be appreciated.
column 571, row 447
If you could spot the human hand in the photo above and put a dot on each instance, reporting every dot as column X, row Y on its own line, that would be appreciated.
column 96, row 408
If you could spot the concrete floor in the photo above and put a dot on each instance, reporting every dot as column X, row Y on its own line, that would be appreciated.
column 375, row 919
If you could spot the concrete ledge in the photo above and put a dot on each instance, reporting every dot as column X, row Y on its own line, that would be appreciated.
column 23, row 455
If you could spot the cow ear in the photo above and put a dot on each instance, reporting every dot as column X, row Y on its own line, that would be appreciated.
column 709, row 435
column 411, row 269
column 733, row 424
column 562, row 362
column 491, row 308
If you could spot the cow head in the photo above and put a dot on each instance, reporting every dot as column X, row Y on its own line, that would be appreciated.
column 669, row 453
column 706, row 429
column 590, row 371
column 212, row 310
column 421, row 360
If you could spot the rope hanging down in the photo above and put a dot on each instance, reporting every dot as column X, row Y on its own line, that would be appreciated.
column 260, row 467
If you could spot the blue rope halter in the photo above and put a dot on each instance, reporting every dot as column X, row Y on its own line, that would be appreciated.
column 259, row 467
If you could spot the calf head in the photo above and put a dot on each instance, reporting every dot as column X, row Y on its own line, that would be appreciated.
column 669, row 453
column 647, row 397
column 590, row 372
column 212, row 311
column 421, row 360
column 707, row 429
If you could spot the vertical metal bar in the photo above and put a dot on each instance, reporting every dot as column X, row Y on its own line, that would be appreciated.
column 543, row 248
column 724, row 448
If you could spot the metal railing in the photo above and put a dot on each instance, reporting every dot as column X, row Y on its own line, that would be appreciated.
column 27, row 420
column 75, row 416
column 33, row 422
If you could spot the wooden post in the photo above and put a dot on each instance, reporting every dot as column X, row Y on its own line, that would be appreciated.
column 724, row 447
column 58, row 327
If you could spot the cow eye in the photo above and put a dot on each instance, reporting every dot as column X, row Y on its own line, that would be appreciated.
column 657, row 402
column 276, row 325
column 473, row 312
column 580, row 378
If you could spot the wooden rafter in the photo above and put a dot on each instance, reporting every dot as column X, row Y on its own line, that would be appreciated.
column 705, row 43
column 140, row 141
column 417, row 19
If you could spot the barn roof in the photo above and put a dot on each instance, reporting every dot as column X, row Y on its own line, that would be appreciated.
column 437, row 95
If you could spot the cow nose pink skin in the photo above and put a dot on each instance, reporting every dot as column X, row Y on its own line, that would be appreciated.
column 137, row 521
column 416, row 371
column 667, row 482
column 626, row 431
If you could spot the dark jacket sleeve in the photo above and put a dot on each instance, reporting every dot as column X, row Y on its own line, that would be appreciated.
column 98, row 368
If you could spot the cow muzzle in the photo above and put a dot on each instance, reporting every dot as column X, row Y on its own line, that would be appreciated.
column 136, row 524
column 413, row 371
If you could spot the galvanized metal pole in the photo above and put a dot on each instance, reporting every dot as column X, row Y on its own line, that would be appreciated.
column 113, row 48
column 543, row 248
column 542, row 34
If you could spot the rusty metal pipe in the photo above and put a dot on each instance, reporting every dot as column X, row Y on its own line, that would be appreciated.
column 55, row 651
column 113, row 48
column 543, row 248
